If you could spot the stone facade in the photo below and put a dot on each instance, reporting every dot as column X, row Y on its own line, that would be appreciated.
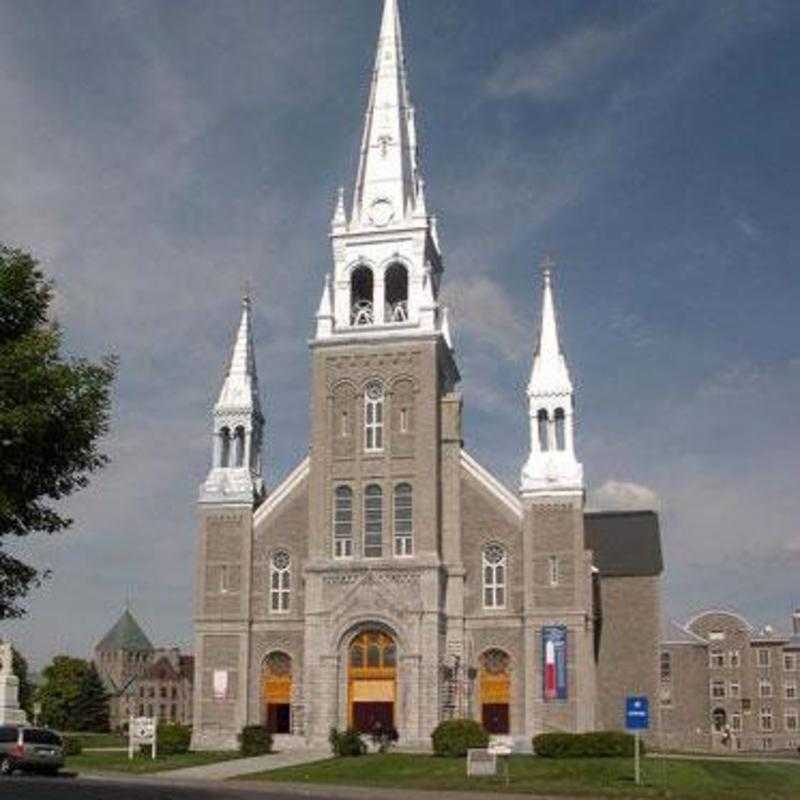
column 391, row 580
column 728, row 687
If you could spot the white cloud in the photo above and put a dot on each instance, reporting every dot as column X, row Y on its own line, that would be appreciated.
column 623, row 496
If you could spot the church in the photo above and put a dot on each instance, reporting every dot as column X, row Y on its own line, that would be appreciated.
column 389, row 579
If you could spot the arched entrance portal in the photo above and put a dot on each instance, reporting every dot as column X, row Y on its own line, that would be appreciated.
column 277, row 692
column 495, row 691
column 371, row 681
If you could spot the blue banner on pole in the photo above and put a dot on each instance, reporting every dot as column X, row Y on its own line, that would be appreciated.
column 637, row 713
column 554, row 662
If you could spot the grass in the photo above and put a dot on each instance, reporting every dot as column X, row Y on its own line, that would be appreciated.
column 140, row 765
column 98, row 739
column 599, row 777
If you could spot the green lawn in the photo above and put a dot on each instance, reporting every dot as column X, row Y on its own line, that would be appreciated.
column 600, row 777
column 118, row 762
column 98, row 739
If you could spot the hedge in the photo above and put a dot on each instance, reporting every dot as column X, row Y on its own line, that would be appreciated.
column 602, row 744
column 172, row 738
column 454, row 737
column 346, row 743
column 255, row 740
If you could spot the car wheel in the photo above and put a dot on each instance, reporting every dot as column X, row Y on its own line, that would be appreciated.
column 6, row 766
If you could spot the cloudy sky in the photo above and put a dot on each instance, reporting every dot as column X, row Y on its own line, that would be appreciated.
column 158, row 156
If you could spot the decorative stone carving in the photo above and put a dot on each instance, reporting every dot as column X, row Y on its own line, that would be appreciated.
column 10, row 712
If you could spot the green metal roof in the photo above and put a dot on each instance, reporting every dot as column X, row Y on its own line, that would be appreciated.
column 125, row 635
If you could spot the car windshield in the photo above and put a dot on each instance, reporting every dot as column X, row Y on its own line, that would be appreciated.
column 40, row 736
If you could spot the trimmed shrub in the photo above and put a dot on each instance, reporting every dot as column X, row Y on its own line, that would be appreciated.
column 72, row 745
column 602, row 744
column 172, row 738
column 454, row 737
column 383, row 738
column 346, row 743
column 255, row 740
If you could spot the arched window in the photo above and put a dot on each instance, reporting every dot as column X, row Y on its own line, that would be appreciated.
column 396, row 293
column 542, row 423
column 373, row 417
column 373, row 521
column 238, row 447
column 280, row 581
column 494, row 576
column 403, row 520
column 361, row 303
column 224, row 447
column 560, row 441
column 343, row 522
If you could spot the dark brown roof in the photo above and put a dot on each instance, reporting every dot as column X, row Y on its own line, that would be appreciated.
column 162, row 670
column 624, row 542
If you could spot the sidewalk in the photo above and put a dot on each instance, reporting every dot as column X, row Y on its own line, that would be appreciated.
column 245, row 766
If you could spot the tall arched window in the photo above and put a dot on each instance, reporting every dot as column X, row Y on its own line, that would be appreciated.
column 238, row 447
column 494, row 576
column 373, row 521
column 373, row 417
column 542, row 423
column 560, row 441
column 396, row 293
column 280, row 581
column 343, row 522
column 403, row 520
column 361, row 303
column 224, row 447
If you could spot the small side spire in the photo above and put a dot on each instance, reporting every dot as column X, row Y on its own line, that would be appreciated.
column 325, row 310
column 551, row 468
column 235, row 474
column 339, row 221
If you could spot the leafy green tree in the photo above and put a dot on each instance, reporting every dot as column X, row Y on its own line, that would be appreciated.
column 73, row 697
column 19, row 666
column 53, row 411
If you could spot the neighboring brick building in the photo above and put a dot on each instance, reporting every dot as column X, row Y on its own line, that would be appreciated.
column 390, row 578
column 726, row 686
column 143, row 680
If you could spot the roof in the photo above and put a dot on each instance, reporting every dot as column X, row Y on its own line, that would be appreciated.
column 625, row 543
column 162, row 670
column 125, row 635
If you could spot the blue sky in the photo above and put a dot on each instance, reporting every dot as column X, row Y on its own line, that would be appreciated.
column 160, row 155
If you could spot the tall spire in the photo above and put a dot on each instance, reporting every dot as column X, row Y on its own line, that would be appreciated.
column 549, row 374
column 552, row 467
column 387, row 184
column 235, row 474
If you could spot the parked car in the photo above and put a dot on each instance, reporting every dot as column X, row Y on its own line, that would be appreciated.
column 30, row 749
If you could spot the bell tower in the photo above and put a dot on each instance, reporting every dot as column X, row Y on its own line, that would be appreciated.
column 384, row 419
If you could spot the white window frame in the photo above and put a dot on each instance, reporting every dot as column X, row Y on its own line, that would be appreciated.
column 790, row 690
column 403, row 512
column 665, row 659
column 554, row 571
column 717, row 689
column 716, row 659
column 342, row 523
column 494, row 573
column 792, row 726
column 374, row 399
column 789, row 662
column 716, row 636
column 280, row 582
column 734, row 689
column 736, row 722
column 766, row 714
column 765, row 688
column 373, row 521
column 735, row 660
column 763, row 651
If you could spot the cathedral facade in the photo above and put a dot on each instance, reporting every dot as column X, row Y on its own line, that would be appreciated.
column 390, row 580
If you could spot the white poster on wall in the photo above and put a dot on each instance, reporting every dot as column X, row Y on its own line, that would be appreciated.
column 220, row 684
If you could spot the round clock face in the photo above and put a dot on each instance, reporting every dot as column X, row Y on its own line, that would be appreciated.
column 381, row 212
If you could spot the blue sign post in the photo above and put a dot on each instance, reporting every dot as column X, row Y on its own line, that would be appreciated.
column 637, row 718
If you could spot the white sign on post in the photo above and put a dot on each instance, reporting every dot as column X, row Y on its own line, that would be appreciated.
column 481, row 762
column 141, row 731
column 502, row 747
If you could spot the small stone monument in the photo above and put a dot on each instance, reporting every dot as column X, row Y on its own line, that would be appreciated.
column 10, row 712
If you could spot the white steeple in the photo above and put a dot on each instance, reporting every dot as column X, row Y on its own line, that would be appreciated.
column 387, row 262
column 235, row 475
column 387, row 182
column 552, row 467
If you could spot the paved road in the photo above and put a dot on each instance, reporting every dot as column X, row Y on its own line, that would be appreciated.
column 31, row 787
